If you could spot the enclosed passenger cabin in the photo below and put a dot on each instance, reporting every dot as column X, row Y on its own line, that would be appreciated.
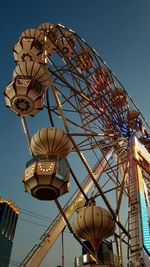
column 85, row 59
column 25, row 93
column 66, row 44
column 46, row 176
column 30, row 47
column 102, row 78
column 94, row 224
column 132, row 116
column 119, row 98
column 51, row 35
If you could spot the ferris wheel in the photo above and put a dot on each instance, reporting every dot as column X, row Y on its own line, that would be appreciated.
column 96, row 136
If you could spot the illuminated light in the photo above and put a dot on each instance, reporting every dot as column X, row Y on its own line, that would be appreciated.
column 63, row 60
column 61, row 25
column 145, row 224
column 92, row 257
column 17, row 211
column 71, row 31
column 11, row 205
column 95, row 52
column 101, row 109
column 93, row 88
column 82, row 39
column 95, row 80
column 110, row 135
column 87, row 163
column 85, row 97
column 146, row 194
column 108, row 83
column 59, row 93
column 139, row 122
column 46, row 169
column 144, row 214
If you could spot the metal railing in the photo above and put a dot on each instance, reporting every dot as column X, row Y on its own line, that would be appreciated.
column 105, row 259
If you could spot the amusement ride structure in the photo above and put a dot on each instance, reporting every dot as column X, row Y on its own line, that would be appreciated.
column 96, row 136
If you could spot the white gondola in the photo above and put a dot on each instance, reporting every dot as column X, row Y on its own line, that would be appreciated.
column 85, row 60
column 51, row 35
column 66, row 44
column 30, row 47
column 119, row 98
column 25, row 93
column 46, row 177
column 94, row 224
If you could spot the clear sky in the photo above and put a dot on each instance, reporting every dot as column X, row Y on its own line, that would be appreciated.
column 120, row 32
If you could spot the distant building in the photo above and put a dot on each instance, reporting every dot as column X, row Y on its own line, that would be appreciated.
column 8, row 220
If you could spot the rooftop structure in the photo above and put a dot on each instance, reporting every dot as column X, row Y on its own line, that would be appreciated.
column 8, row 220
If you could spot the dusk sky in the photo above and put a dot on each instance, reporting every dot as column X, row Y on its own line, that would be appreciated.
column 120, row 32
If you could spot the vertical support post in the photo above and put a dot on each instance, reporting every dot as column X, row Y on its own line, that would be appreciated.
column 62, row 239
column 117, row 204
column 26, row 132
column 138, row 217
column 134, row 212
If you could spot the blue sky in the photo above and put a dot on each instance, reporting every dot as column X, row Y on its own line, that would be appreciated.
column 119, row 31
